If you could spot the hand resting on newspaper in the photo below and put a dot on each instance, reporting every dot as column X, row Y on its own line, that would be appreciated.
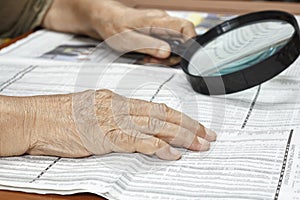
column 96, row 123
column 100, row 122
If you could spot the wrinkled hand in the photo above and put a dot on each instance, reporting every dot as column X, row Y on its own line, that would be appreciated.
column 100, row 122
column 123, row 28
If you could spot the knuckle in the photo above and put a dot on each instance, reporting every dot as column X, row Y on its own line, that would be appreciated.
column 160, row 109
column 189, row 139
column 112, row 136
column 163, row 107
column 200, row 130
column 187, row 24
column 123, row 122
column 104, row 93
column 157, row 143
column 156, row 13
column 121, row 141
column 179, row 137
column 155, row 125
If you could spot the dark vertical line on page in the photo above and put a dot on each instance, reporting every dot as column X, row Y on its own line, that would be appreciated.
column 161, row 86
column 251, row 108
column 283, row 165
column 45, row 170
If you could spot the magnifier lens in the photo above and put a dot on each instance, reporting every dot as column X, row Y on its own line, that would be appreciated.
column 240, row 48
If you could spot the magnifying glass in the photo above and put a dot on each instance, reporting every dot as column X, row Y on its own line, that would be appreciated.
column 240, row 53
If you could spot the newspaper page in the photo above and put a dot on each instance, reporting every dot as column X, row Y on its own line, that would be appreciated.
column 248, row 161
column 256, row 156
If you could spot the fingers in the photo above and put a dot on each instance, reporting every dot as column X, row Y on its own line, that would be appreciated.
column 169, row 132
column 133, row 31
column 141, row 143
column 166, row 114
column 172, row 27
column 134, row 41
column 161, row 23
column 131, row 125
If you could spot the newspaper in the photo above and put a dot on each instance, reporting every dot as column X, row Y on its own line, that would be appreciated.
column 256, row 156
column 248, row 161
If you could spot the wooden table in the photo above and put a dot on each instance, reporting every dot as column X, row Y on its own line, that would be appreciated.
column 222, row 7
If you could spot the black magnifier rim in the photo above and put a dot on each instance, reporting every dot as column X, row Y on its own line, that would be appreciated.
column 250, row 76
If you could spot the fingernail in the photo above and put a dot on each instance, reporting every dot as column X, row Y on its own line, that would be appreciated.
column 175, row 152
column 204, row 144
column 163, row 52
column 210, row 135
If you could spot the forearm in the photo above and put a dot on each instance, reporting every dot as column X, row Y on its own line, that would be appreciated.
column 14, row 120
column 39, row 125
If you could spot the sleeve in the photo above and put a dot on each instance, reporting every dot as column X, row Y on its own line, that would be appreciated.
column 20, row 16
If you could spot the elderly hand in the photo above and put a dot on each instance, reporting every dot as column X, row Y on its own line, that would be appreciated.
column 124, row 28
column 97, row 123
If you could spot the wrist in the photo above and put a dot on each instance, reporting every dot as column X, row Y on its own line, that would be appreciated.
column 16, row 118
column 70, row 16
column 55, row 131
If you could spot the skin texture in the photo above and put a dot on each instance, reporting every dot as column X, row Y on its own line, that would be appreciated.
column 96, row 123
column 100, row 122
column 103, row 19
